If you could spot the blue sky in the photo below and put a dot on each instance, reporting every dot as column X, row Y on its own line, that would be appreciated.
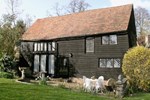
column 39, row 8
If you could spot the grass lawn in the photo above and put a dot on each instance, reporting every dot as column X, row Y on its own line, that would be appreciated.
column 10, row 90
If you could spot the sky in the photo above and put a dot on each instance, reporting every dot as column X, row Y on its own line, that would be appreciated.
column 38, row 8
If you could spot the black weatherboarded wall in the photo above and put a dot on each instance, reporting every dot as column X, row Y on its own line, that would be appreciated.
column 88, row 63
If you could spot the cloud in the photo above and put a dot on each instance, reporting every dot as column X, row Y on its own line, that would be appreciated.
column 136, row 3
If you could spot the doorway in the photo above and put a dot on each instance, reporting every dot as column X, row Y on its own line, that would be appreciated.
column 44, row 63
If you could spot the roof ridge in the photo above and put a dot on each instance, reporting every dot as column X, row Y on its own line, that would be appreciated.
column 50, row 17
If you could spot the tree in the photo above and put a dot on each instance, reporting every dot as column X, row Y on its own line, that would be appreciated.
column 142, row 18
column 77, row 6
column 136, row 67
column 29, row 20
column 9, row 36
column 74, row 6
column 141, row 40
column 12, row 11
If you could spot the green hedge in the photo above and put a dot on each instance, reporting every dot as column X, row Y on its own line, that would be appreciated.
column 6, row 75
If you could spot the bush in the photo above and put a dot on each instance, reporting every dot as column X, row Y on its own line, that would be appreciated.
column 6, row 62
column 136, row 67
column 43, row 82
column 6, row 75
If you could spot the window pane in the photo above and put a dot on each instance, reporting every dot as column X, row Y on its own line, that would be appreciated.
column 53, row 46
column 116, row 63
column 113, row 39
column 49, row 47
column 45, row 46
column 41, row 46
column 90, row 45
column 102, row 63
column 105, row 40
column 36, row 63
column 43, row 63
column 35, row 46
column 109, row 63
column 51, row 63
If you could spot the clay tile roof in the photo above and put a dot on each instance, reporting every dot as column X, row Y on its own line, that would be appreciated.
column 98, row 21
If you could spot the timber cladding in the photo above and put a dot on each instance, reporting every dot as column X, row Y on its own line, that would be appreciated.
column 90, row 43
column 88, row 63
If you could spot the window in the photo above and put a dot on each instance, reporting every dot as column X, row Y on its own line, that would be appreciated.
column 43, row 63
column 110, row 39
column 90, row 45
column 49, row 47
column 105, row 39
column 35, row 46
column 113, row 39
column 53, row 46
column 36, row 63
column 51, row 64
column 116, row 63
column 39, row 46
column 109, row 63
column 43, row 46
column 102, row 63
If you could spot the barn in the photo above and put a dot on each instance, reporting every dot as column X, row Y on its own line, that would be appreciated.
column 90, row 43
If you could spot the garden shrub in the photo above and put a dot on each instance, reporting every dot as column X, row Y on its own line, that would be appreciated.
column 136, row 67
column 6, row 75
column 6, row 62
column 43, row 81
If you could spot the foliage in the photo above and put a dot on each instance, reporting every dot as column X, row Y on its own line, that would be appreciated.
column 10, row 35
column 7, row 63
column 43, row 81
column 6, row 75
column 136, row 67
